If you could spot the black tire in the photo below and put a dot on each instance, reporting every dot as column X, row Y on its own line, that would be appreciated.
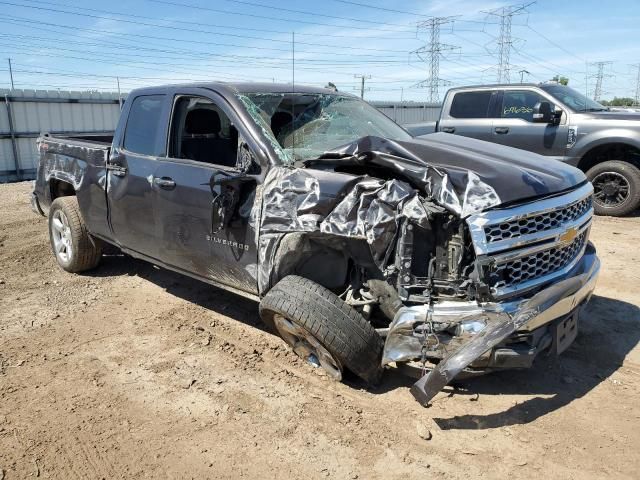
column 604, row 177
column 85, row 251
column 338, row 327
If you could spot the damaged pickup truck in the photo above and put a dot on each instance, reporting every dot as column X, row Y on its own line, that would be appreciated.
column 366, row 248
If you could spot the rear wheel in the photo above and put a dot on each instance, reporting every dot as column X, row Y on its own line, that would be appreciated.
column 322, row 329
column 74, row 248
column 616, row 187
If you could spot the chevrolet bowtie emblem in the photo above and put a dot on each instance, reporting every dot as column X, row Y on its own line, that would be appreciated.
column 568, row 236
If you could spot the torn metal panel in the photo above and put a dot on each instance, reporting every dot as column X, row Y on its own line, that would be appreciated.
column 461, row 191
column 339, row 206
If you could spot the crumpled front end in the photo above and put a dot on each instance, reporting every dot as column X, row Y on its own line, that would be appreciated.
column 538, row 268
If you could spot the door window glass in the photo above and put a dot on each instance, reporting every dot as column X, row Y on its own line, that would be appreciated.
column 201, row 131
column 471, row 104
column 143, row 124
column 519, row 104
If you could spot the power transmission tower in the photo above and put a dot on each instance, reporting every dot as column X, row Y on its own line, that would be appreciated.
column 599, row 76
column 431, row 53
column 636, row 99
column 505, row 41
column 362, row 78
column 522, row 73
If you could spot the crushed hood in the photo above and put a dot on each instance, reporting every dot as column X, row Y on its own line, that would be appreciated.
column 515, row 175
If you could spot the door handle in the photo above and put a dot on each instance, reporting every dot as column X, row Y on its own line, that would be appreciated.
column 164, row 182
column 502, row 130
column 117, row 170
column 448, row 129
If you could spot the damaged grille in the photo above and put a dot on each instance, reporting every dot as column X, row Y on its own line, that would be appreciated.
column 539, row 264
column 521, row 247
column 538, row 223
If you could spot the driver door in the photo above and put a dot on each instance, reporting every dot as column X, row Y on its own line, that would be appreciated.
column 203, row 200
column 514, row 125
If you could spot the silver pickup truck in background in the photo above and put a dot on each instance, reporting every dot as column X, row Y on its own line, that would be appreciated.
column 555, row 121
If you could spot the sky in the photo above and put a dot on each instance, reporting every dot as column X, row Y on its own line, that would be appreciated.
column 91, row 45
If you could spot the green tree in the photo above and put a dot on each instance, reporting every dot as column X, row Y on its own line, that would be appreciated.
column 560, row 79
column 618, row 102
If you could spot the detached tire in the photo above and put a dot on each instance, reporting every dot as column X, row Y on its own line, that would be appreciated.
column 74, row 248
column 322, row 329
column 616, row 186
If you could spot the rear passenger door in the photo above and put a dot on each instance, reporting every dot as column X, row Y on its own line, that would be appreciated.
column 130, row 169
column 514, row 126
column 203, row 198
column 468, row 113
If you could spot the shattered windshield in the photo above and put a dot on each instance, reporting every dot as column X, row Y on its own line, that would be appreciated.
column 572, row 99
column 304, row 126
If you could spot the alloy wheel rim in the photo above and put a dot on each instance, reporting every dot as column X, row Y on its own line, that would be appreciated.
column 610, row 189
column 61, row 234
column 307, row 347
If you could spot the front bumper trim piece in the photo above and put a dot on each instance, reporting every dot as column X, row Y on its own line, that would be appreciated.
column 502, row 320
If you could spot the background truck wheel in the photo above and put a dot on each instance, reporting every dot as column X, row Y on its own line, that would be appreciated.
column 322, row 329
column 74, row 248
column 616, row 186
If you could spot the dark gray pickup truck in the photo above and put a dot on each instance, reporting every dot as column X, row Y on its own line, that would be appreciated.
column 557, row 122
column 366, row 248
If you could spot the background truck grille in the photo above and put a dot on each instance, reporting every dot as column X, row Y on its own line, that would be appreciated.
column 538, row 264
column 537, row 223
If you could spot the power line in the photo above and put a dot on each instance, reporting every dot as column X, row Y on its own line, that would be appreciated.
column 384, row 9
column 281, row 9
column 185, row 29
column 433, row 51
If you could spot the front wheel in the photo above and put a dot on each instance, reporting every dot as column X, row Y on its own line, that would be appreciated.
column 73, row 246
column 616, row 188
column 322, row 329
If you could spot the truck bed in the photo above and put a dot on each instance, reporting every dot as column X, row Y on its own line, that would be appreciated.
column 92, row 149
column 81, row 139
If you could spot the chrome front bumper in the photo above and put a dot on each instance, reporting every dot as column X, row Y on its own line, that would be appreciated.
column 499, row 320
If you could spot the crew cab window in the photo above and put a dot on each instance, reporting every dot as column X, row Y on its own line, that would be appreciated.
column 519, row 104
column 471, row 104
column 201, row 131
column 143, row 124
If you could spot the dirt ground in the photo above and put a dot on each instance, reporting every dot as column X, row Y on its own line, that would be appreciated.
column 133, row 372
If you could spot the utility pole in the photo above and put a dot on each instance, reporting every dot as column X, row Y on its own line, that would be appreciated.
column 505, row 41
column 522, row 72
column 636, row 99
column 431, row 53
column 119, row 96
column 600, row 76
column 362, row 79
column 11, row 74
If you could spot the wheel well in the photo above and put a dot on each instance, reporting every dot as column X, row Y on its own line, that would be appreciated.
column 60, row 188
column 610, row 151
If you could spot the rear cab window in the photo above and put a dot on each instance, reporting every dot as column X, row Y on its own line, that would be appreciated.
column 471, row 104
column 143, row 125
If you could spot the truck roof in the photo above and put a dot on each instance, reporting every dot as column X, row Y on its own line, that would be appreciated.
column 243, row 87
column 503, row 85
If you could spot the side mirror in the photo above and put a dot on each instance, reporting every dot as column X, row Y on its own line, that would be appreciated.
column 224, row 201
column 543, row 113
